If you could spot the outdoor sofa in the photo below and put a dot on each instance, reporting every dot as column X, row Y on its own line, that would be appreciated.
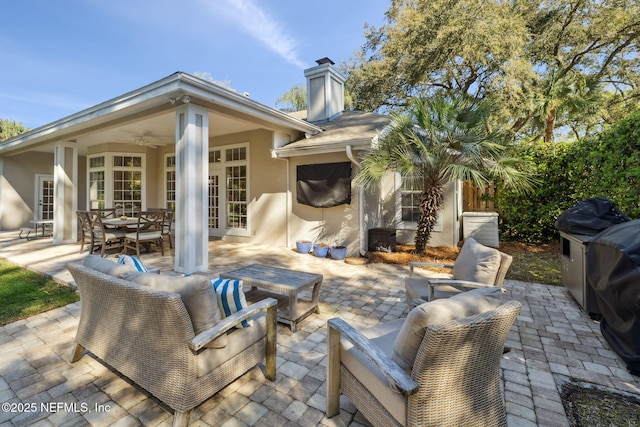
column 165, row 333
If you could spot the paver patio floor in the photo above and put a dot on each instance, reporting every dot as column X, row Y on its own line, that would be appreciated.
column 553, row 342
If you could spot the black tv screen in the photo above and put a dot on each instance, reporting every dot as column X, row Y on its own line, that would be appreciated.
column 324, row 185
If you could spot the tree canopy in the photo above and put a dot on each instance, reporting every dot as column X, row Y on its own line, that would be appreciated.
column 10, row 128
column 545, row 65
column 293, row 100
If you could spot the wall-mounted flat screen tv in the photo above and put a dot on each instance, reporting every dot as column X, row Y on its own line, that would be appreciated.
column 324, row 185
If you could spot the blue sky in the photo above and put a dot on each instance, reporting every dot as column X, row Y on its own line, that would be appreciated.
column 62, row 56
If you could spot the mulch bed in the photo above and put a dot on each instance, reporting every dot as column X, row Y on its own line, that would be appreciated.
column 591, row 406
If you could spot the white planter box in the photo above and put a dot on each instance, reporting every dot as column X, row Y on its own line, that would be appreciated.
column 482, row 226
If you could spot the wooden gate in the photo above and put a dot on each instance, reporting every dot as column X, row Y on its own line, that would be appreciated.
column 475, row 199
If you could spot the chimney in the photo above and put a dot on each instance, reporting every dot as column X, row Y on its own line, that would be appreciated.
column 325, row 91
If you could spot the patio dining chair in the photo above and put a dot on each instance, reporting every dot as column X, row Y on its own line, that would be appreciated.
column 102, row 237
column 168, row 223
column 149, row 231
column 477, row 266
column 107, row 212
column 438, row 367
column 84, row 222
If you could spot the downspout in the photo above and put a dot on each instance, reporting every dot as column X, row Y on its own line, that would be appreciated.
column 287, row 231
column 361, row 230
column 457, row 234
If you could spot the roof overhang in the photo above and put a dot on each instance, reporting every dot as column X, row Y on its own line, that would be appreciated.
column 300, row 148
column 157, row 98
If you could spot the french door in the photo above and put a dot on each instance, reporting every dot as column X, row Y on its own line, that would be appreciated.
column 43, row 209
column 229, row 191
column 216, row 217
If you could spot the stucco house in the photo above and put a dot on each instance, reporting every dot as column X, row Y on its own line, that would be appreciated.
column 231, row 167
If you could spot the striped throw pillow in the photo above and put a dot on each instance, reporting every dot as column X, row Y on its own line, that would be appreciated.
column 230, row 297
column 133, row 262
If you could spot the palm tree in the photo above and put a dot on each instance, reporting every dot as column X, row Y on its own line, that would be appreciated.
column 564, row 97
column 438, row 140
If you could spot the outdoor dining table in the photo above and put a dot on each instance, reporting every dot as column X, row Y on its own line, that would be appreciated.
column 124, row 224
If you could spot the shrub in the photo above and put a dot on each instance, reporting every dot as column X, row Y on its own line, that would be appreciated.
column 607, row 165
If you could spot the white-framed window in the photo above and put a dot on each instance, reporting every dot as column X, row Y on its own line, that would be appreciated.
column 408, row 193
column 228, row 188
column 116, row 180
column 97, row 192
column 170, row 181
column 236, row 196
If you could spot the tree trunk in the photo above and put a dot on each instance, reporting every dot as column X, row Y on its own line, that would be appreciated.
column 550, row 122
column 431, row 201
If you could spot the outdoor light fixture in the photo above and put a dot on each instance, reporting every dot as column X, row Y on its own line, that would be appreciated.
column 184, row 98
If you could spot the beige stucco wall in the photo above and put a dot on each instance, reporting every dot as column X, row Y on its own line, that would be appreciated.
column 337, row 225
column 267, row 210
column 18, row 186
column 273, row 202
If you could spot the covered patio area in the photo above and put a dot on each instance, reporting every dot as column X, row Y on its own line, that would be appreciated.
column 553, row 342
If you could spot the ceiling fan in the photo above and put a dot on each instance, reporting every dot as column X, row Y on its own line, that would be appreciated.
column 144, row 142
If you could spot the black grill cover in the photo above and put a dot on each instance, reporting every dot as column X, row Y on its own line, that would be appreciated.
column 590, row 217
column 613, row 271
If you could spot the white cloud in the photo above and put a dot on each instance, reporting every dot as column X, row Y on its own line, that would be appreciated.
column 263, row 27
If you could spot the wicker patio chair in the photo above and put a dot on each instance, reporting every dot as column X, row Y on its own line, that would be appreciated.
column 477, row 266
column 454, row 380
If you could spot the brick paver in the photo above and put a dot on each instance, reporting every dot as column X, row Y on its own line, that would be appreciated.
column 553, row 341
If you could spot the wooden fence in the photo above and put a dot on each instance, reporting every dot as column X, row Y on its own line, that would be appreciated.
column 475, row 199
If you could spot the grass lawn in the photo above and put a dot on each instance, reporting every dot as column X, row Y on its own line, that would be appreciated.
column 24, row 293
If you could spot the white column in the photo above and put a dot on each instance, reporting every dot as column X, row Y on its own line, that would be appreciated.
column 192, row 189
column 65, row 193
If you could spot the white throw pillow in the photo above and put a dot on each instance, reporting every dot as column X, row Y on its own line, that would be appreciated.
column 477, row 263
column 405, row 347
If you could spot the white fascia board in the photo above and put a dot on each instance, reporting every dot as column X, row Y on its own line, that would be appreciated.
column 363, row 144
column 94, row 114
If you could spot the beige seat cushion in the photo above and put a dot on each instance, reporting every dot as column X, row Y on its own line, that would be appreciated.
column 409, row 338
column 239, row 340
column 418, row 287
column 477, row 263
column 197, row 295
column 106, row 266
column 382, row 336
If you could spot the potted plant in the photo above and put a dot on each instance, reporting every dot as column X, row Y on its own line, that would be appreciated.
column 320, row 250
column 338, row 252
column 303, row 246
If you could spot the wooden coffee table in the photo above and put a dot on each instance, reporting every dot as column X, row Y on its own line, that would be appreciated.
column 284, row 285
